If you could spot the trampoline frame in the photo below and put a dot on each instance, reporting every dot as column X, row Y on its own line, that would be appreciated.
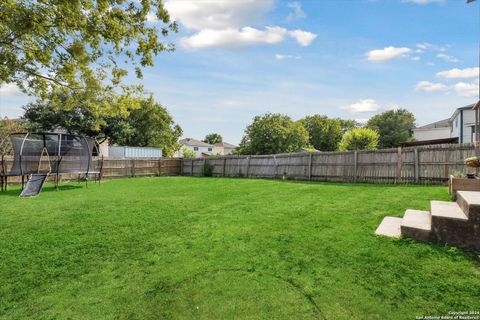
column 55, row 159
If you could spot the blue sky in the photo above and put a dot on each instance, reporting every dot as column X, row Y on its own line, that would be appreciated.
column 349, row 59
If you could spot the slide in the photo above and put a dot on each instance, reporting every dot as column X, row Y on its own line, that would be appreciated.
column 34, row 185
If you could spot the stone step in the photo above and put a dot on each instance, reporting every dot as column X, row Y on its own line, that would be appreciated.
column 469, row 201
column 417, row 224
column 390, row 227
column 446, row 210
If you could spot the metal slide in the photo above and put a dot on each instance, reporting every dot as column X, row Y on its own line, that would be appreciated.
column 34, row 184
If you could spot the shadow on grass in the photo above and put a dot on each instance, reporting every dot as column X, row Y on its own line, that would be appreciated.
column 16, row 190
column 330, row 183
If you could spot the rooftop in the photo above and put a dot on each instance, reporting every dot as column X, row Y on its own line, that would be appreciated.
column 439, row 124
column 194, row 143
column 225, row 145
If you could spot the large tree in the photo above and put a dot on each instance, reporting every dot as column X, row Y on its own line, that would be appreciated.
column 394, row 127
column 87, row 111
column 324, row 133
column 78, row 45
column 273, row 133
column 348, row 125
column 213, row 138
column 151, row 126
column 360, row 139
column 7, row 127
column 145, row 124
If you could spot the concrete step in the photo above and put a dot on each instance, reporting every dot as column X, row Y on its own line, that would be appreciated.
column 390, row 227
column 417, row 224
column 446, row 210
column 469, row 201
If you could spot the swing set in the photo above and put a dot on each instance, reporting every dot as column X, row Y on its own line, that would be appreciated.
column 38, row 155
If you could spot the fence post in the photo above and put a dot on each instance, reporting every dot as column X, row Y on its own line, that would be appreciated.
column 181, row 166
column 248, row 166
column 416, row 164
column 191, row 172
column 399, row 165
column 310, row 166
column 274, row 167
column 133, row 167
column 159, row 167
column 447, row 156
column 224, row 165
column 204, row 164
column 355, row 165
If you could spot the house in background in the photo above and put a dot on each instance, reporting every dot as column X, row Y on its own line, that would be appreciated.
column 223, row 148
column 459, row 128
column 200, row 148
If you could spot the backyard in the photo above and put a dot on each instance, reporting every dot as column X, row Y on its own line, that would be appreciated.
column 218, row 248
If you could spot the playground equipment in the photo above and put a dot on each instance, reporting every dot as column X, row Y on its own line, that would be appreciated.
column 37, row 155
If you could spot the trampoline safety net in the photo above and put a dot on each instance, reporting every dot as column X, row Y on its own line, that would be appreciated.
column 51, row 152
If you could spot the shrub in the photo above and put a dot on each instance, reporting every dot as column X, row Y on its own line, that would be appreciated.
column 188, row 153
column 360, row 139
column 207, row 170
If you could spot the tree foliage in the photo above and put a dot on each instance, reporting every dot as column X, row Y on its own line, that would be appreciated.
column 394, row 127
column 213, row 138
column 78, row 45
column 8, row 127
column 348, row 125
column 273, row 133
column 360, row 139
column 145, row 124
column 187, row 153
column 150, row 126
column 324, row 133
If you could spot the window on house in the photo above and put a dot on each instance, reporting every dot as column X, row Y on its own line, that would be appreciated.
column 195, row 148
column 209, row 149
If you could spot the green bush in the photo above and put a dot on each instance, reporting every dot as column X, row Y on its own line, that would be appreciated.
column 360, row 139
column 207, row 170
column 188, row 153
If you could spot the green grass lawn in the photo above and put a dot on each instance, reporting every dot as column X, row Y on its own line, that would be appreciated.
column 207, row 248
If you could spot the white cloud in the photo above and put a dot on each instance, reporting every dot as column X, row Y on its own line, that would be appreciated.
column 304, row 38
column 447, row 58
column 231, row 38
column 286, row 56
column 459, row 73
column 218, row 14
column 209, row 38
column 424, row 45
column 466, row 89
column 387, row 53
column 365, row 105
column 9, row 89
column 430, row 87
column 424, row 1
column 227, row 23
column 297, row 13
column 152, row 17
column 415, row 58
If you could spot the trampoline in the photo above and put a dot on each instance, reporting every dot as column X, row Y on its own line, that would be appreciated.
column 37, row 155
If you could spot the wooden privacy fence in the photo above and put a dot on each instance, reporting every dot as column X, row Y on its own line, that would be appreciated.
column 425, row 164
column 124, row 167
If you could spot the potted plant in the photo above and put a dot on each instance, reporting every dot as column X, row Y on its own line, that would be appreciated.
column 467, row 182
